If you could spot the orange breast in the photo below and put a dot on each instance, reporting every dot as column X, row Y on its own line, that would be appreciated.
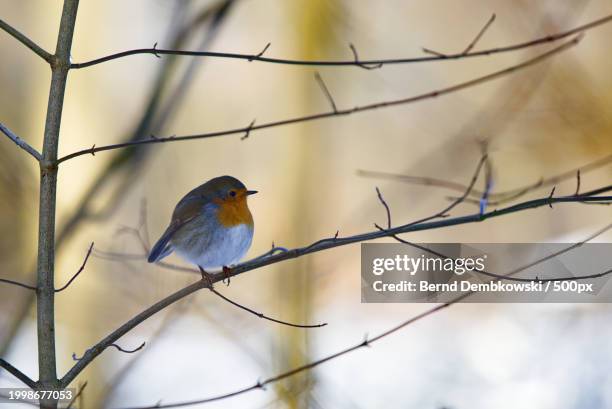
column 235, row 212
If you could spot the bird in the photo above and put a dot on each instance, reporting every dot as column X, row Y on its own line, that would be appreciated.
column 211, row 226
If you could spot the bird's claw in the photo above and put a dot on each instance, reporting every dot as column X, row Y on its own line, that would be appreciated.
column 226, row 272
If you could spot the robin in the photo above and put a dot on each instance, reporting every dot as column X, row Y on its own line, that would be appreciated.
column 211, row 226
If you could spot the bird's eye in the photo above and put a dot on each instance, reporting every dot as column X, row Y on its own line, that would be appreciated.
column 232, row 193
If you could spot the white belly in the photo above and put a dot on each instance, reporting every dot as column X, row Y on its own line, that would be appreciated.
column 224, row 248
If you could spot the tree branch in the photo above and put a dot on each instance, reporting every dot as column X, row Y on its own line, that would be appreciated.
column 484, row 161
column 355, row 61
column 342, row 112
column 397, row 238
column 320, row 245
column 17, row 374
column 25, row 41
column 508, row 278
column 146, row 249
column 366, row 341
column 218, row 294
column 20, row 142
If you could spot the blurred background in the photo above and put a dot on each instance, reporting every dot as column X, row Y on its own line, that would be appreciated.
column 546, row 120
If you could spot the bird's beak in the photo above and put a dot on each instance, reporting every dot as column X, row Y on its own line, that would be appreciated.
column 251, row 192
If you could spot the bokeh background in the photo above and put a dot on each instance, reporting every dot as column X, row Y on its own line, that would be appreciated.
column 551, row 118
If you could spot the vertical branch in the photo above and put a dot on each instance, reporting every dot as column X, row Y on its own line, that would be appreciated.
column 60, row 64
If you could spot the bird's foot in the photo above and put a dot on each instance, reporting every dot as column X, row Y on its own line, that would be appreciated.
column 226, row 272
column 206, row 277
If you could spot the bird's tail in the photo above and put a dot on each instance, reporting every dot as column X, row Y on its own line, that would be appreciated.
column 162, row 248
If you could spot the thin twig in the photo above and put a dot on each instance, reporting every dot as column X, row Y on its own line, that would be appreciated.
column 260, row 315
column 444, row 212
column 129, row 351
column 416, row 180
column 155, row 51
column 325, row 90
column 387, row 210
column 258, row 56
column 366, row 342
column 17, row 283
column 365, row 66
column 17, row 373
column 469, row 46
column 552, row 192
column 488, row 185
column 435, row 53
column 38, row 50
column 57, row 290
column 345, row 112
column 577, row 183
column 248, row 131
column 479, row 35
column 320, row 245
column 117, row 347
column 355, row 61
column 499, row 197
column 20, row 142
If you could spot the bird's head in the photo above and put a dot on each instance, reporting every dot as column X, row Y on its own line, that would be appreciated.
column 227, row 190
column 230, row 195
